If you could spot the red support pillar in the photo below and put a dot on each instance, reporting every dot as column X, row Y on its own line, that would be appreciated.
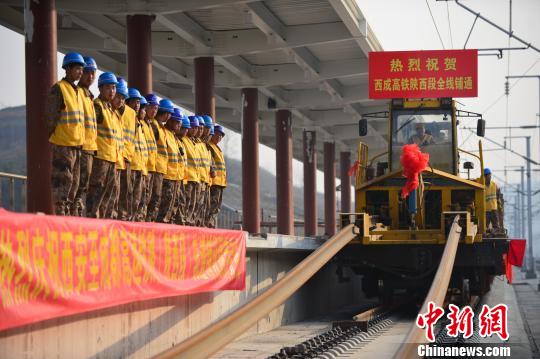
column 139, row 52
column 329, row 188
column 284, row 181
column 344, row 165
column 310, row 183
column 205, row 102
column 40, row 67
column 250, row 162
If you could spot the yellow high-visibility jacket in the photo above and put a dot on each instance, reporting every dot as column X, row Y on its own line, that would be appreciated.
column 205, row 162
column 491, row 197
column 140, row 156
column 109, row 132
column 182, row 172
column 173, row 156
column 219, row 166
column 151, row 146
column 161, row 142
column 69, row 130
column 129, row 118
column 192, row 160
column 90, row 128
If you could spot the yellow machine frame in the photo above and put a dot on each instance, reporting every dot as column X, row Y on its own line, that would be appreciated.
column 378, row 234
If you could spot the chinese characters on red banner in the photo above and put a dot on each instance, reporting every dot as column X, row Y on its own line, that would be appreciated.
column 423, row 74
column 491, row 321
column 54, row 266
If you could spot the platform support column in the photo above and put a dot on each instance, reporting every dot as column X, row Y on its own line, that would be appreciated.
column 284, row 179
column 310, row 182
column 205, row 102
column 250, row 161
column 40, row 67
column 344, row 165
column 330, row 188
column 139, row 52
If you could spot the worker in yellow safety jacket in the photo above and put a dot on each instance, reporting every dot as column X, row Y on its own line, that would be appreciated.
column 492, row 207
column 179, row 212
column 219, row 180
column 109, row 140
column 205, row 166
column 140, row 153
column 171, row 179
column 123, row 191
column 150, row 112
column 165, row 110
column 77, row 194
column 65, row 121
column 192, row 187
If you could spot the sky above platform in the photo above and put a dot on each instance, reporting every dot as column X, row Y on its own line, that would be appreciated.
column 408, row 25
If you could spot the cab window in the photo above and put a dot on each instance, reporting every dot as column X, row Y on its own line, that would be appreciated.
column 431, row 130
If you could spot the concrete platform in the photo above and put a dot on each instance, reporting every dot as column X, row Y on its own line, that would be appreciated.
column 281, row 242
column 143, row 329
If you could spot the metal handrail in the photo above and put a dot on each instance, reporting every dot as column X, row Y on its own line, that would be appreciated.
column 12, row 178
column 214, row 337
column 12, row 175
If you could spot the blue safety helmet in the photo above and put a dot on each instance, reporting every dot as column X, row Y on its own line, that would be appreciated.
column 73, row 58
column 89, row 64
column 487, row 171
column 207, row 120
column 212, row 130
column 121, row 87
column 177, row 114
column 107, row 78
column 133, row 93
column 143, row 102
column 166, row 105
column 218, row 128
column 152, row 99
column 193, row 121
column 185, row 122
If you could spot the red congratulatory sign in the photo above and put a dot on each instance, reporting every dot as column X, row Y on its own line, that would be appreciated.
column 423, row 74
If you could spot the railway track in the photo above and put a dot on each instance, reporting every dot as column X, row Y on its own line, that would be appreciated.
column 345, row 336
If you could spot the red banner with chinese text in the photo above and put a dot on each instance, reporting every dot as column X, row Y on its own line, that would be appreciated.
column 423, row 74
column 54, row 266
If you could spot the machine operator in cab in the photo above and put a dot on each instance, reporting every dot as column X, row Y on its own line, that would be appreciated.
column 421, row 137
column 492, row 206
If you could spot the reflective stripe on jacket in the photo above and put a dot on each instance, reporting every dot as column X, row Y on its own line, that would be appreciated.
column 219, row 166
column 69, row 130
column 491, row 197
column 90, row 128
column 161, row 142
column 109, row 133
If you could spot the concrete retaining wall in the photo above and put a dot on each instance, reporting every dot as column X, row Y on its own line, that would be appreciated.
column 140, row 330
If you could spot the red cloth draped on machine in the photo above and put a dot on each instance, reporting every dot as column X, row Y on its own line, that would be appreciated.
column 413, row 162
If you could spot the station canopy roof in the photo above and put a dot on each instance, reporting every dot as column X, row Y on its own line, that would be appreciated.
column 309, row 56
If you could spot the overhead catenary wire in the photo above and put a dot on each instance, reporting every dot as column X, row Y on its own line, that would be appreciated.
column 512, row 86
column 511, row 34
column 435, row 24
column 449, row 25
column 470, row 32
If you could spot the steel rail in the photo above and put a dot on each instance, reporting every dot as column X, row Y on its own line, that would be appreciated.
column 214, row 337
column 436, row 294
